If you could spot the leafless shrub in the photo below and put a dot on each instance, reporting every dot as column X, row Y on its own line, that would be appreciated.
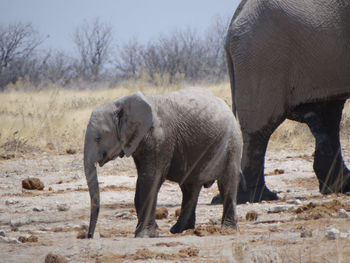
column 93, row 43
column 18, row 43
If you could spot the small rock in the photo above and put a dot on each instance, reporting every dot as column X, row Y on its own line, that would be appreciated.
column 121, row 214
column 306, row 233
column 63, row 207
column 161, row 213
column 2, row 233
column 251, row 216
column 9, row 240
column 332, row 233
column 19, row 221
column 32, row 184
column 125, row 215
column 343, row 235
column 343, row 213
column 294, row 202
column 55, row 258
column 28, row 239
column 280, row 208
column 76, row 177
column 38, row 209
column 11, row 202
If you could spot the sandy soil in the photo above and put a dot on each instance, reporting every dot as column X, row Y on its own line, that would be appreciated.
column 302, row 226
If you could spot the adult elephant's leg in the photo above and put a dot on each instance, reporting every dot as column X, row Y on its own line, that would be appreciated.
column 187, row 218
column 253, row 159
column 332, row 173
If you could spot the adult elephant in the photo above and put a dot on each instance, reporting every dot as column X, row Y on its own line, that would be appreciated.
column 290, row 59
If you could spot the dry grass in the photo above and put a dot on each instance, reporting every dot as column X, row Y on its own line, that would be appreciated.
column 55, row 119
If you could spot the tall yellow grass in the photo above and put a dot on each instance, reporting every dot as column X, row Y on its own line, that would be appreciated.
column 55, row 119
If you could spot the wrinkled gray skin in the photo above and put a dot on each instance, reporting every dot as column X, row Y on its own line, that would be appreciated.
column 189, row 136
column 290, row 59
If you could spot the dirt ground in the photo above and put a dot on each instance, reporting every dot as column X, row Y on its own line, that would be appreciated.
column 302, row 226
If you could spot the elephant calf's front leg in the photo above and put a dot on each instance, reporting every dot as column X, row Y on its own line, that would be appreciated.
column 145, row 204
column 187, row 218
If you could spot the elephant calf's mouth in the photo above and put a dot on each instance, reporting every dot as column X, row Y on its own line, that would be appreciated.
column 107, row 159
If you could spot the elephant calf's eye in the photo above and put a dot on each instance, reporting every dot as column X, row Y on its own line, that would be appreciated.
column 98, row 139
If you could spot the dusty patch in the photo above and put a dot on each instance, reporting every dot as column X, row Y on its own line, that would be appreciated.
column 273, row 237
column 116, row 188
column 313, row 211
column 308, row 183
column 55, row 258
column 147, row 254
column 209, row 229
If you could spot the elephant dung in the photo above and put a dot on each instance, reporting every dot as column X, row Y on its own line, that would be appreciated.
column 55, row 258
column 32, row 184
column 161, row 213
column 251, row 216
column 71, row 151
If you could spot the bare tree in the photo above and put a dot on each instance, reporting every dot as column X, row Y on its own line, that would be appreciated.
column 214, row 42
column 93, row 43
column 129, row 60
column 17, row 45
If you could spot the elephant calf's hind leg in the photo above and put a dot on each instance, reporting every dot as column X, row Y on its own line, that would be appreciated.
column 228, row 192
column 187, row 218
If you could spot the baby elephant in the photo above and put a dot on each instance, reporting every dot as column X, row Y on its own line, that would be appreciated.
column 190, row 137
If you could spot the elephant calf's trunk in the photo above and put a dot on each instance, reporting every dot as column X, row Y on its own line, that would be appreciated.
column 91, row 178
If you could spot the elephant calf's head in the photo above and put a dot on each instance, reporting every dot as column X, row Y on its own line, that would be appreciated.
column 114, row 129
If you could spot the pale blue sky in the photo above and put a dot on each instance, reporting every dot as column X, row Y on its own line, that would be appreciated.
column 143, row 19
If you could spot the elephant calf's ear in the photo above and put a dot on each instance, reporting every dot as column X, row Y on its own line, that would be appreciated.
column 135, row 120
column 117, row 118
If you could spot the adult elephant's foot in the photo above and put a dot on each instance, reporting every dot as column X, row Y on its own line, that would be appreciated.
column 252, row 195
column 341, row 184
column 149, row 231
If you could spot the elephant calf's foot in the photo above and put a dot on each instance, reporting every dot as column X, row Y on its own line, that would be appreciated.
column 178, row 228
